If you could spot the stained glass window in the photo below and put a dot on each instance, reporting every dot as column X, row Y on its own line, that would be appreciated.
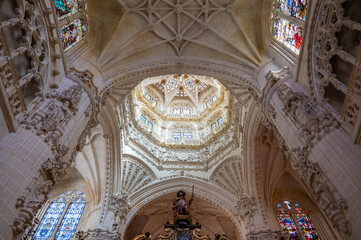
column 213, row 126
column 176, row 136
column 287, row 224
column 150, row 125
column 288, row 24
column 177, row 111
column 293, row 219
column 289, row 34
column 305, row 223
column 66, row 8
column 187, row 136
column 143, row 118
column 294, row 8
column 74, row 203
column 50, row 219
column 70, row 220
column 220, row 121
column 72, row 33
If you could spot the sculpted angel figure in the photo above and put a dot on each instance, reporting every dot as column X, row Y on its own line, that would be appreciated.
column 181, row 205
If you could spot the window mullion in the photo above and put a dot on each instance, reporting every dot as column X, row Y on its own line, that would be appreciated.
column 60, row 220
column 299, row 229
column 291, row 19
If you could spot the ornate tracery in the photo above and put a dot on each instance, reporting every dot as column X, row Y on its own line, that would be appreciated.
column 62, row 217
column 296, row 221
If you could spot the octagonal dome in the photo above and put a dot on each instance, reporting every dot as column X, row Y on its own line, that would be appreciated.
column 182, row 110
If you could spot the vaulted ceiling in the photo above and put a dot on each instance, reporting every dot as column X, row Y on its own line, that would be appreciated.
column 133, row 31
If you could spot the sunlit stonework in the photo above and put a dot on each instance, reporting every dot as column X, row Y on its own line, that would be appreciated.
column 185, row 110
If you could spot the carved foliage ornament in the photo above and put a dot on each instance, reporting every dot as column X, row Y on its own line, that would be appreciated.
column 121, row 206
column 313, row 123
column 53, row 115
column 312, row 120
column 245, row 205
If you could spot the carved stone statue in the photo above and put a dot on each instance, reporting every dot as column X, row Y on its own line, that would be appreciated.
column 181, row 205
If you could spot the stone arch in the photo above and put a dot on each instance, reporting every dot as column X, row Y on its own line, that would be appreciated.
column 205, row 190
column 237, row 78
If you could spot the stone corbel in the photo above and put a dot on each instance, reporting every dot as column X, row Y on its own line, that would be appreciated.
column 245, row 205
column 311, row 120
column 274, row 78
column 121, row 207
column 86, row 79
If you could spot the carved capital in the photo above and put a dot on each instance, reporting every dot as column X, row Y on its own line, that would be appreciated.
column 245, row 205
column 121, row 206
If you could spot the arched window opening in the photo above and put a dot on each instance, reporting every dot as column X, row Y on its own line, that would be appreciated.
column 295, row 220
column 288, row 22
column 62, row 217
column 71, row 33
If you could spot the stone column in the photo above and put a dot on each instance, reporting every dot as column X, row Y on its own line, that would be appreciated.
column 34, row 158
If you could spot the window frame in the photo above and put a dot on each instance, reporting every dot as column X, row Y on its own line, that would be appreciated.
column 292, row 213
column 38, row 219
column 63, row 22
column 279, row 47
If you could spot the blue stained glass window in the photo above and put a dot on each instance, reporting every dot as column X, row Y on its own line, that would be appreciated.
column 65, row 8
column 176, row 136
column 50, row 219
column 70, row 220
column 213, row 126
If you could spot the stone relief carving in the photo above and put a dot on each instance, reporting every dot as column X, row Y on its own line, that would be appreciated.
column 245, row 205
column 312, row 121
column 97, row 234
column 326, row 196
column 324, row 45
column 34, row 51
column 229, row 175
column 121, row 207
column 54, row 114
column 134, row 176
